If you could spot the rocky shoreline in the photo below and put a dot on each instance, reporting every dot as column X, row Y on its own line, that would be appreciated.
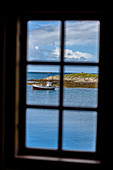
column 75, row 80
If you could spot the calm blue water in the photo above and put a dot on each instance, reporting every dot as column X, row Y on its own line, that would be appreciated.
column 79, row 127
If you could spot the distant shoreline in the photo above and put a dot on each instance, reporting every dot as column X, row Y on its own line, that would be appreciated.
column 73, row 80
column 44, row 72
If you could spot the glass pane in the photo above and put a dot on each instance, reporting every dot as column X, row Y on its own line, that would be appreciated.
column 42, row 128
column 80, row 86
column 43, row 41
column 42, row 90
column 82, row 41
column 79, row 130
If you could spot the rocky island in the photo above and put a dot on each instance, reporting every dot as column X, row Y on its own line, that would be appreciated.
column 73, row 80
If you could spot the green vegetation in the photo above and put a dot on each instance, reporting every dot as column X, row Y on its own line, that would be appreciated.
column 84, row 75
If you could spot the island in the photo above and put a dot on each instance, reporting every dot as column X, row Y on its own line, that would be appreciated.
column 73, row 80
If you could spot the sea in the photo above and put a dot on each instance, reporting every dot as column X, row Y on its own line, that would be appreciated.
column 42, row 125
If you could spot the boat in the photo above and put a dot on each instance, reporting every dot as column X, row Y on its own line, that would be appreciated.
column 41, row 87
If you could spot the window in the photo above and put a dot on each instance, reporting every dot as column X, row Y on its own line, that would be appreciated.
column 67, row 125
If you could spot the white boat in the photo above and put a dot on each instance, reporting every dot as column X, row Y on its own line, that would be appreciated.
column 41, row 87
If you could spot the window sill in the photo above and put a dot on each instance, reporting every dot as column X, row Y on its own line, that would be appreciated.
column 61, row 160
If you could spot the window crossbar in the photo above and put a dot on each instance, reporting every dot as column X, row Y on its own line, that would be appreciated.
column 61, row 108
column 61, row 63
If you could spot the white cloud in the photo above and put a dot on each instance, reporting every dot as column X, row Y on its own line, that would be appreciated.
column 82, row 32
column 47, row 34
column 77, row 32
column 75, row 55
column 44, row 40
column 56, row 52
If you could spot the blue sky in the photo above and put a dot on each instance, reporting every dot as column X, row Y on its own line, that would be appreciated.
column 81, row 42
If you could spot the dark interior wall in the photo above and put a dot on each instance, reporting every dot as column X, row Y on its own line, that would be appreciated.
column 1, row 87
column 7, row 82
column 8, row 26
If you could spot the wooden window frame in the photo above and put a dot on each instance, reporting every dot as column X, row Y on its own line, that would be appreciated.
column 20, row 149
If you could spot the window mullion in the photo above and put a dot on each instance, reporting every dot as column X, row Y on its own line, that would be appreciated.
column 61, row 88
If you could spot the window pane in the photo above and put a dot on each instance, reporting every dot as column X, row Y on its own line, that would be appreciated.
column 38, row 92
column 80, row 86
column 42, row 128
column 82, row 41
column 79, row 130
column 43, row 41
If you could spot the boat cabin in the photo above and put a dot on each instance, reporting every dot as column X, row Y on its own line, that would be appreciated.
column 48, row 84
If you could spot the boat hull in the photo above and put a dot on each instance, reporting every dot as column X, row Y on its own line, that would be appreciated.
column 35, row 87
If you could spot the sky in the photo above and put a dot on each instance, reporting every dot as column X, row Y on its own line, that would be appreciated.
column 81, row 43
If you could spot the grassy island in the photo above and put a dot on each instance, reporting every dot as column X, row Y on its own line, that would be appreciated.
column 83, row 75
column 73, row 80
